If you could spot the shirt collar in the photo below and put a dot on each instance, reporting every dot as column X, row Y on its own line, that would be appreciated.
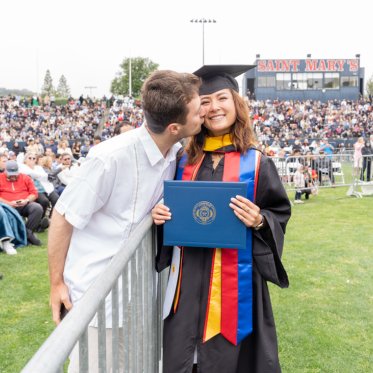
column 151, row 149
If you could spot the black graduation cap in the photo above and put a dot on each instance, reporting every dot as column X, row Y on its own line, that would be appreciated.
column 217, row 77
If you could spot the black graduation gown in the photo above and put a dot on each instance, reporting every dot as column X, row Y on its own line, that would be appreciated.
column 183, row 331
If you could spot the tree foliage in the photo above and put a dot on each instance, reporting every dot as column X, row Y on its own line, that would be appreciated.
column 369, row 86
column 140, row 70
column 47, row 88
column 63, row 89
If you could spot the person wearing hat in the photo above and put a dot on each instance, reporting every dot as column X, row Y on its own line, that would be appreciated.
column 32, row 147
column 18, row 191
column 221, row 319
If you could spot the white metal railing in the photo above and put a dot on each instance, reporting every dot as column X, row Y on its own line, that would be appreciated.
column 327, row 170
column 141, row 290
column 332, row 170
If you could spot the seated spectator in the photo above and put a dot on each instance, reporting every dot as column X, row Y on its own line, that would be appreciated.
column 56, row 162
column 327, row 148
column 63, row 147
column 96, row 140
column 32, row 147
column 47, row 196
column 68, row 170
column 39, row 146
column 12, row 230
column 76, row 149
column 18, row 191
column 123, row 127
column 18, row 148
column 49, row 152
column 3, row 160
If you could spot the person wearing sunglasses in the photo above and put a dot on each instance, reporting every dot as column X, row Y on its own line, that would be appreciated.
column 47, row 196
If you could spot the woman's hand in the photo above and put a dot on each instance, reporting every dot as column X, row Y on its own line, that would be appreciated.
column 246, row 211
column 160, row 214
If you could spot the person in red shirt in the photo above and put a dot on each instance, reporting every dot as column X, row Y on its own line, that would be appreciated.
column 18, row 191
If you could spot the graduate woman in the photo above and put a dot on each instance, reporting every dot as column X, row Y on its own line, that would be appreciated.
column 220, row 317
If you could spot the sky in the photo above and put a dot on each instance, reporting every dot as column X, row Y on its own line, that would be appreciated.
column 86, row 40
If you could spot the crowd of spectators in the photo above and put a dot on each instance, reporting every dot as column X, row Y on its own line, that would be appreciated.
column 45, row 123
column 48, row 141
column 41, row 146
column 280, row 124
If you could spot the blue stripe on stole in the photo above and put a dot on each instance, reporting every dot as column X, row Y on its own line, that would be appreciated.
column 180, row 167
column 245, row 286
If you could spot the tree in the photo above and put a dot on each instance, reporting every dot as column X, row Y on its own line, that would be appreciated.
column 63, row 89
column 369, row 86
column 140, row 70
column 47, row 88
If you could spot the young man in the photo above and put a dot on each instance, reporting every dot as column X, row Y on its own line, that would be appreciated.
column 99, row 210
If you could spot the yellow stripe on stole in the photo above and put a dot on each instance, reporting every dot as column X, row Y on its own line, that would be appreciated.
column 177, row 293
column 214, row 311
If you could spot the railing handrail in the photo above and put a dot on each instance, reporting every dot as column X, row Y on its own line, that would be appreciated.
column 76, row 321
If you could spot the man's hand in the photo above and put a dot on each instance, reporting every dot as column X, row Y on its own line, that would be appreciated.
column 59, row 295
column 60, row 232
column 22, row 202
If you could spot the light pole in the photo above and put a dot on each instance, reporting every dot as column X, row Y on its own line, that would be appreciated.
column 90, row 87
column 203, row 21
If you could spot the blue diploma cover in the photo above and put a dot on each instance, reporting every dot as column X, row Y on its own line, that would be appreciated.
column 201, row 216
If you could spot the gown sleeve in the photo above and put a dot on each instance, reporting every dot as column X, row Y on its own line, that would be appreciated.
column 268, row 242
column 164, row 253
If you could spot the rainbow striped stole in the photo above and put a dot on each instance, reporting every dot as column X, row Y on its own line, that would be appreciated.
column 229, row 306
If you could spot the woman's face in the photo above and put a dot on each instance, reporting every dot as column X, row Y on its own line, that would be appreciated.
column 220, row 112
column 30, row 160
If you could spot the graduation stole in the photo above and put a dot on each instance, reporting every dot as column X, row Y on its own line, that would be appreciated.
column 229, row 306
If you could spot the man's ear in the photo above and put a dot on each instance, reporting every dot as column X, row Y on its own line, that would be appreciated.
column 173, row 129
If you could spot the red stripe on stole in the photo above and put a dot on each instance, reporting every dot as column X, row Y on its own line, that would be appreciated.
column 191, row 170
column 188, row 172
column 229, row 265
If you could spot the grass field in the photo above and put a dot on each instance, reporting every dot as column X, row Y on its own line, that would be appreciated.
column 324, row 319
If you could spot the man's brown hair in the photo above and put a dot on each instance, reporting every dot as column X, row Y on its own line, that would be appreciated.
column 165, row 96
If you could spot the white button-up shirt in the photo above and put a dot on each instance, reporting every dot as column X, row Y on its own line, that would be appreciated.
column 114, row 189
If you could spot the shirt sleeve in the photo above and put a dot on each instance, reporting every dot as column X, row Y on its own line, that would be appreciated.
column 31, row 186
column 87, row 192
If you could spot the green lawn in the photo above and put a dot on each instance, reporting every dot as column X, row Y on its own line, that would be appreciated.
column 25, row 319
column 324, row 320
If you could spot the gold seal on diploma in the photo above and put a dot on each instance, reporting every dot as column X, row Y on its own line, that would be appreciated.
column 204, row 212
